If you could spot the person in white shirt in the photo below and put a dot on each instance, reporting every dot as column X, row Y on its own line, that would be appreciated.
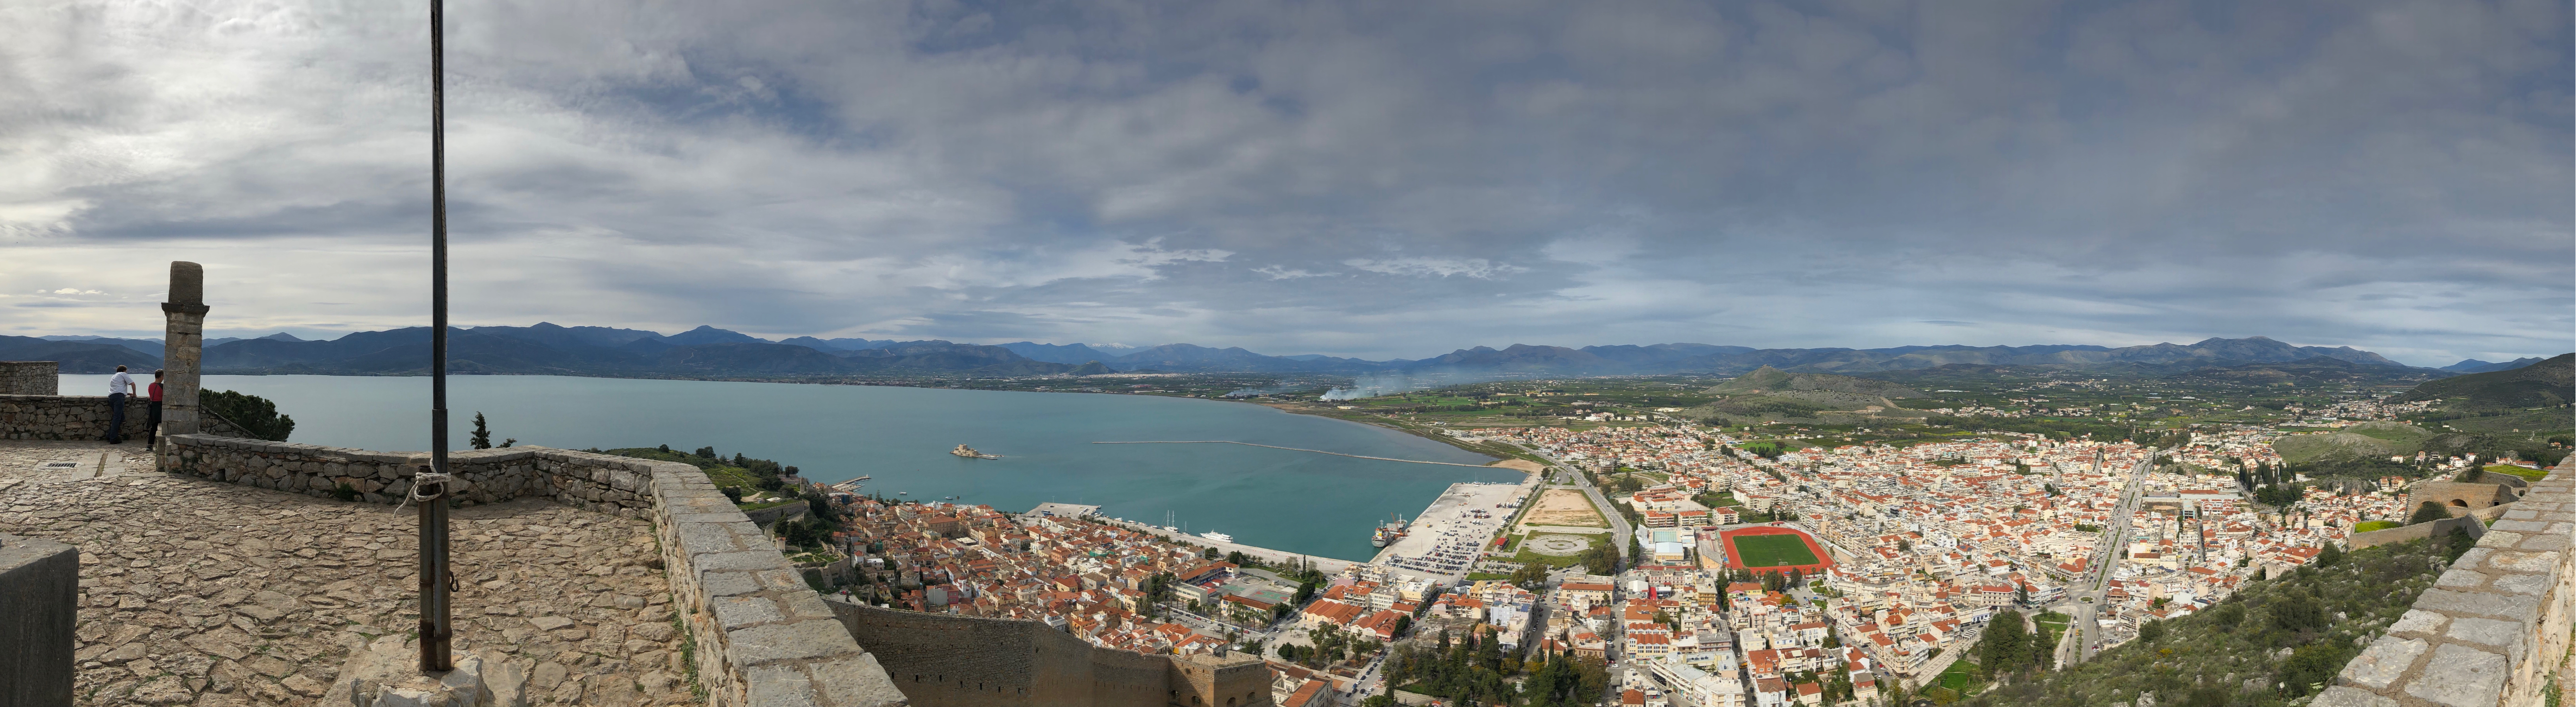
column 118, row 387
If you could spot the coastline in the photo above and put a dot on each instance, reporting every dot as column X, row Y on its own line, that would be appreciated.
column 932, row 383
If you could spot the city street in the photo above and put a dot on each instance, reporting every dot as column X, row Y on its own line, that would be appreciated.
column 2097, row 583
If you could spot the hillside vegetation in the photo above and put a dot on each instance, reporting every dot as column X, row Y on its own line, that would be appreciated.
column 2367, row 439
column 2274, row 642
column 1772, row 380
column 2541, row 385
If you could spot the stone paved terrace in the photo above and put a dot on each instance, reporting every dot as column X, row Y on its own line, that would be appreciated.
column 206, row 593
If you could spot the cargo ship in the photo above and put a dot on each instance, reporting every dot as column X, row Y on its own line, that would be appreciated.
column 1388, row 532
column 970, row 453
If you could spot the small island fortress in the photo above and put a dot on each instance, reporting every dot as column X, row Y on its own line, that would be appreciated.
column 970, row 453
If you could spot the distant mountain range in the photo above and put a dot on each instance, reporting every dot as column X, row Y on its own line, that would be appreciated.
column 546, row 348
column 2471, row 365
column 2540, row 384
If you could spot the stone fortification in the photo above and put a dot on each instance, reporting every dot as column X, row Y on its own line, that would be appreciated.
column 939, row 660
column 30, row 377
column 2492, row 628
column 596, row 482
column 84, row 417
column 2462, row 498
column 2475, row 526
column 762, row 636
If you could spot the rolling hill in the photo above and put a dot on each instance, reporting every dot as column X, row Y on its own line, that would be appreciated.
column 2540, row 385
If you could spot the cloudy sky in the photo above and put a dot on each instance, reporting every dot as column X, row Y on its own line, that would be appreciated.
column 1366, row 178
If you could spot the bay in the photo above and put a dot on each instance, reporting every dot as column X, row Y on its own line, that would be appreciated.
column 1286, row 500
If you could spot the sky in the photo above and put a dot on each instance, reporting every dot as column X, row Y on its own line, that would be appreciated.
column 1366, row 179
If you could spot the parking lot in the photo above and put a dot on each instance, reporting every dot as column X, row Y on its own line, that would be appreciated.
column 1452, row 533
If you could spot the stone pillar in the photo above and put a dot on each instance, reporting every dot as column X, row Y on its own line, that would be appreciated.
column 183, row 345
column 40, row 588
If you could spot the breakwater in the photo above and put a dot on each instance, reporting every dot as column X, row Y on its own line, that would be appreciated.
column 1295, row 449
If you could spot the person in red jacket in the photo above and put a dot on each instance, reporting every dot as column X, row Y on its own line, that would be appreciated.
column 152, row 437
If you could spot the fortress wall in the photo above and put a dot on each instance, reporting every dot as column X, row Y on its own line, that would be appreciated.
column 2493, row 626
column 30, row 377
column 761, row 636
column 596, row 482
column 2418, row 531
column 943, row 660
column 83, row 417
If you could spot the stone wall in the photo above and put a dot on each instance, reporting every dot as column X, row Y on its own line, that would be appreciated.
column 762, row 636
column 596, row 482
column 940, row 660
column 2440, row 528
column 2470, row 496
column 84, row 417
column 2492, row 627
column 30, row 377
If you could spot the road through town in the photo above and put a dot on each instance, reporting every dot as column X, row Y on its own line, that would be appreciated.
column 2097, row 582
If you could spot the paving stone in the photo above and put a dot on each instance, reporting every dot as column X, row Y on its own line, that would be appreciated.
column 2486, row 631
column 2459, row 676
column 2350, row 697
column 2477, row 604
column 2382, row 663
column 2419, row 621
column 800, row 640
column 260, row 587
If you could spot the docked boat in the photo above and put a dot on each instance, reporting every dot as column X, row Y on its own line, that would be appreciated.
column 970, row 453
column 1388, row 532
column 1217, row 536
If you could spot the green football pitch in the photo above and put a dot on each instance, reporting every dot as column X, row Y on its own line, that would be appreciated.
column 1759, row 551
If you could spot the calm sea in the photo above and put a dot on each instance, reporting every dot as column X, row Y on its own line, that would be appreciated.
column 1294, row 501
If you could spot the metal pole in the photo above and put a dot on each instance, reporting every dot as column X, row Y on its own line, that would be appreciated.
column 435, row 581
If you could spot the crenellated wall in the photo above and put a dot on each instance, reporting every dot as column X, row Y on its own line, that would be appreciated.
column 940, row 660
column 762, row 636
column 2493, row 627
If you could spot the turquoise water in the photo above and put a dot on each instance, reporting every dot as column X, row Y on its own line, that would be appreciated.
column 1295, row 501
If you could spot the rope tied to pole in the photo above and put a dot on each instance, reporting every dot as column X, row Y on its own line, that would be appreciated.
column 420, row 479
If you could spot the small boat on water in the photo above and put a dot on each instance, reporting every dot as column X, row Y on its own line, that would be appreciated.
column 952, row 498
column 970, row 453
column 1217, row 536
column 903, row 493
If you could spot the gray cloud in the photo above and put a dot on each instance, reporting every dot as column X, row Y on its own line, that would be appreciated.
column 1349, row 178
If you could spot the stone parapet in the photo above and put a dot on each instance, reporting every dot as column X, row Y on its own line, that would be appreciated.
column 84, row 417
column 30, row 377
column 944, row 660
column 596, row 482
column 763, row 637
column 2492, row 627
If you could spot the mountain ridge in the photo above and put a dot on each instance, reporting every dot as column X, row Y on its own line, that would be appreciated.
column 618, row 351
